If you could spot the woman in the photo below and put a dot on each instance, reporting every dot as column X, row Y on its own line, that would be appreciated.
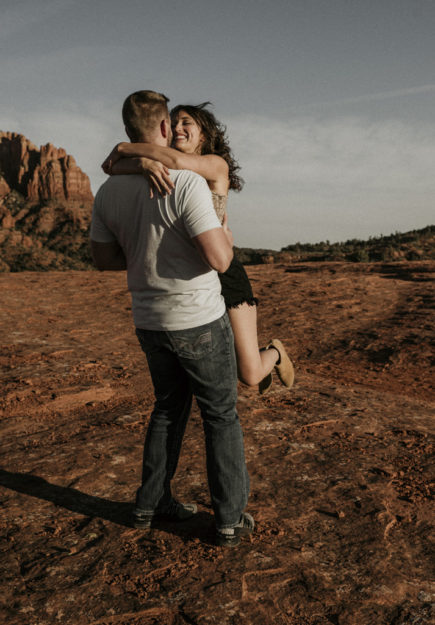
column 199, row 144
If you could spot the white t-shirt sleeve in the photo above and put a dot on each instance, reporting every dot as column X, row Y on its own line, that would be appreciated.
column 99, row 231
column 196, row 206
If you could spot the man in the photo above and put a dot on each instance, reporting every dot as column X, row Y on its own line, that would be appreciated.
column 172, row 248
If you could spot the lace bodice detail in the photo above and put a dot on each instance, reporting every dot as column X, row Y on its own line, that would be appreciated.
column 220, row 204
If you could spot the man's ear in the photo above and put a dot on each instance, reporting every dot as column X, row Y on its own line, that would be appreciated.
column 127, row 133
column 165, row 128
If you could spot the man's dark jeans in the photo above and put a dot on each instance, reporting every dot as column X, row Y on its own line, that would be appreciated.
column 198, row 361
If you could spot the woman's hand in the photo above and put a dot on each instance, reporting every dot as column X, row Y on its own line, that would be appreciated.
column 227, row 231
column 118, row 162
column 158, row 177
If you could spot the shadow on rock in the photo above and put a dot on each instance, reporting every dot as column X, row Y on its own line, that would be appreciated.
column 70, row 498
column 199, row 527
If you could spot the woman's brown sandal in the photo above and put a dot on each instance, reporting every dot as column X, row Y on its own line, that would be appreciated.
column 265, row 384
column 284, row 366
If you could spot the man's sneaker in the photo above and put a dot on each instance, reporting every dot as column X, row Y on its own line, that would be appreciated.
column 230, row 536
column 175, row 511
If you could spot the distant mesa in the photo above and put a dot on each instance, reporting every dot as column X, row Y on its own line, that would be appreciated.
column 45, row 173
column 45, row 207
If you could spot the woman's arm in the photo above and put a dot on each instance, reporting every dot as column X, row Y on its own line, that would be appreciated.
column 210, row 166
column 156, row 173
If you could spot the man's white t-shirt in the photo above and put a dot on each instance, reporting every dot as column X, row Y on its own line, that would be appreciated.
column 172, row 287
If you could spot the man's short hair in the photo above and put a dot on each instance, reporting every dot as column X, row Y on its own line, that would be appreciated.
column 142, row 111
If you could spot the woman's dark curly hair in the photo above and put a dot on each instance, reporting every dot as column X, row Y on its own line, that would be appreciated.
column 215, row 140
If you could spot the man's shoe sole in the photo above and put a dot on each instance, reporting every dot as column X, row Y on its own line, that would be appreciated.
column 142, row 525
column 227, row 541
column 185, row 512
column 232, row 540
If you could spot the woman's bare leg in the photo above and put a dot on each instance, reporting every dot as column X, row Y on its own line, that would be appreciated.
column 252, row 364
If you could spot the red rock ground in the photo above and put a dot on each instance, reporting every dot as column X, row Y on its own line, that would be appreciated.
column 340, row 466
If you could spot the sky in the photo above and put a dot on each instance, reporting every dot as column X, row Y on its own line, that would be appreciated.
column 328, row 104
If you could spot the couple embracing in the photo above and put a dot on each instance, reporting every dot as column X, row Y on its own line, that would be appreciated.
column 162, row 216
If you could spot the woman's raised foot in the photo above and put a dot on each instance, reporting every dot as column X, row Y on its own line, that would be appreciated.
column 284, row 366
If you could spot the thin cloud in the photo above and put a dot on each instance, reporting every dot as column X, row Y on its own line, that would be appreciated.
column 381, row 95
column 310, row 179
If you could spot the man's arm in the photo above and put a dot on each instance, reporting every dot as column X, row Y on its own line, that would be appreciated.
column 108, row 256
column 216, row 247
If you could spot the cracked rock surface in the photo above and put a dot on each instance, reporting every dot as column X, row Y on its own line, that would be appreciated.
column 340, row 466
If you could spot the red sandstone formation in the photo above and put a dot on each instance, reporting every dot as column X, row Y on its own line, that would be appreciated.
column 47, row 173
column 45, row 207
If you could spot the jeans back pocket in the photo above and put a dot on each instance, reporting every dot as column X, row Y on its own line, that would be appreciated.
column 191, row 344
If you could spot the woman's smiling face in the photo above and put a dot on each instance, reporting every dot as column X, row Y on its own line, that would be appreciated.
column 187, row 134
